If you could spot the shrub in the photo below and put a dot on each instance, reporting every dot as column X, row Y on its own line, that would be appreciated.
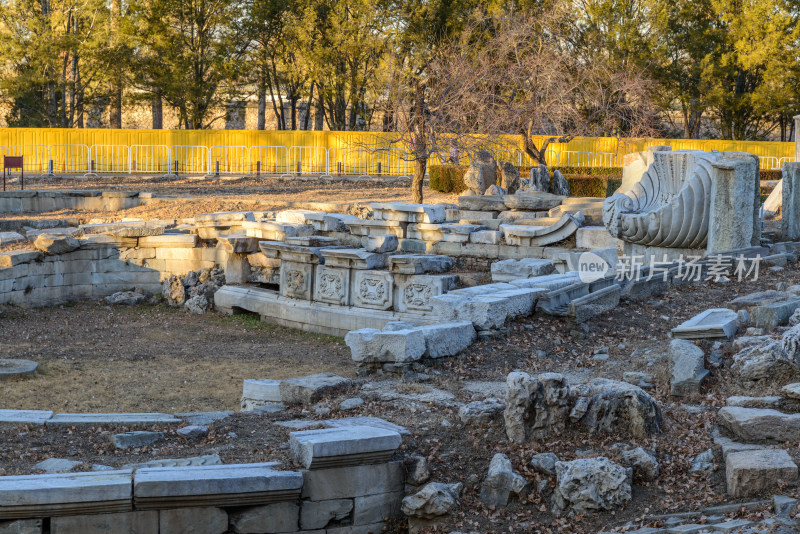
column 447, row 178
column 771, row 175
column 587, row 186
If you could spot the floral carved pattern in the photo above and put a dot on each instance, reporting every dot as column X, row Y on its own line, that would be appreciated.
column 330, row 285
column 372, row 290
column 417, row 295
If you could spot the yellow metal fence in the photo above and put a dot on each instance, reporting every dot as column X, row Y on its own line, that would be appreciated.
column 92, row 151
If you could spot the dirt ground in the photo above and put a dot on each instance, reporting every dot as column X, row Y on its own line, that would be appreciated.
column 151, row 358
column 194, row 195
column 155, row 358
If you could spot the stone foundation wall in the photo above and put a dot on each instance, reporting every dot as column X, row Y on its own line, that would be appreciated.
column 100, row 267
column 44, row 201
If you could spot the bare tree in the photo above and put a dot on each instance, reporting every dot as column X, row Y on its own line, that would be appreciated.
column 502, row 79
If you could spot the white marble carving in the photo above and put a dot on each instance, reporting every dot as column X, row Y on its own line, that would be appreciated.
column 669, row 205
column 332, row 285
column 296, row 279
column 373, row 289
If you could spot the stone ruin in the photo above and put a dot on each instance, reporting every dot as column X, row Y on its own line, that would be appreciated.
column 390, row 285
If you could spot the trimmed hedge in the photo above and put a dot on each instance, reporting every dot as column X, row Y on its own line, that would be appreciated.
column 592, row 186
column 447, row 178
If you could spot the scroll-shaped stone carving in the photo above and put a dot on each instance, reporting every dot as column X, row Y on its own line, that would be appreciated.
column 670, row 206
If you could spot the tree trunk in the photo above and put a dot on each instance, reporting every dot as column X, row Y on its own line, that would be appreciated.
column 420, row 165
column 307, row 118
column 319, row 114
column 115, row 113
column 262, row 105
column 157, row 112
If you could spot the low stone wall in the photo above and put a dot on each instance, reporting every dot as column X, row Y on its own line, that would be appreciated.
column 44, row 201
column 348, row 484
column 101, row 266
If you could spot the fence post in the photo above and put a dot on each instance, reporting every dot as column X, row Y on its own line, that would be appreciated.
column 298, row 168
column 258, row 169
column 379, row 168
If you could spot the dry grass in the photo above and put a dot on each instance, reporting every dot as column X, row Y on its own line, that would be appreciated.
column 151, row 358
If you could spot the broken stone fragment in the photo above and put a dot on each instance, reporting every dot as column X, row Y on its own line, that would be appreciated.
column 501, row 481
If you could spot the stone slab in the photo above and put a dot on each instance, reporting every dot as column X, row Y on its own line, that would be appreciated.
column 31, row 496
column 120, row 523
column 754, row 471
column 353, row 445
column 349, row 482
column 219, row 485
column 712, row 324
column 120, row 419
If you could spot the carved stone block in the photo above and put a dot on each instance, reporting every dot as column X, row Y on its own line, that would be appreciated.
column 413, row 293
column 297, row 280
column 332, row 285
column 373, row 289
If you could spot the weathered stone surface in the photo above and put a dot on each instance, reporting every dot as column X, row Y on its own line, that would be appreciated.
column 54, row 244
column 399, row 346
column 713, row 323
column 590, row 485
column 381, row 243
column 433, row 500
column 372, row 509
column 372, row 289
column 771, row 316
column 495, row 190
column 174, row 291
column 539, row 179
column 751, row 472
column 595, row 303
column 125, row 298
column 735, row 201
column 532, row 201
column 501, row 481
column 193, row 461
column 309, row 389
column 11, row 418
column 508, row 270
column 137, row 438
column 560, row 185
column 194, row 520
column 21, row 526
column 481, row 173
column 544, row 463
column 317, row 514
column 272, row 518
column 419, row 264
column 753, row 424
column 56, row 465
column 687, row 365
column 792, row 391
column 314, row 449
column 447, row 339
column 214, row 485
column 481, row 412
column 617, row 407
column 14, row 368
column 790, row 206
column 353, row 481
column 45, row 494
column 197, row 305
column 509, row 177
column 416, row 468
column 9, row 238
column 18, row 257
column 193, row 431
column 123, row 523
column 480, row 205
column 644, row 464
column 535, row 407
column 765, row 360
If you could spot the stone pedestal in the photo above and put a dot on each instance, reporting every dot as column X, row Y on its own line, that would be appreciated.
column 332, row 285
column 734, row 222
column 372, row 289
column 297, row 280
column 790, row 209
